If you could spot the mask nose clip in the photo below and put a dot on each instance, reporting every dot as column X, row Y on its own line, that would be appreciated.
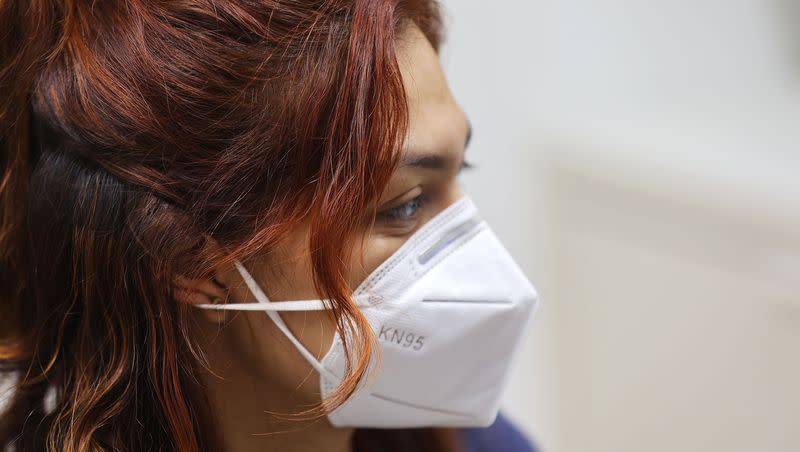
column 447, row 239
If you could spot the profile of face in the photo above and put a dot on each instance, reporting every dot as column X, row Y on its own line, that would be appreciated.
column 246, row 349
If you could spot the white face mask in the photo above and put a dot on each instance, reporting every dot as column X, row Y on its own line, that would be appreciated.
column 451, row 310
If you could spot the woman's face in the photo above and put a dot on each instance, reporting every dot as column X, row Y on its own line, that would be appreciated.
column 424, row 184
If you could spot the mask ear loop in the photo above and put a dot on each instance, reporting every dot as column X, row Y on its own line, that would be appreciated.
column 271, row 309
column 298, row 305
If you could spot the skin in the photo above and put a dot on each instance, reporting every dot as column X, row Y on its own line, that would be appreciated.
column 253, row 369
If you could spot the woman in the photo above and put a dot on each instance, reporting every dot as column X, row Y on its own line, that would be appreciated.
column 168, row 164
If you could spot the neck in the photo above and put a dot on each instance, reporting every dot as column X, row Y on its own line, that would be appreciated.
column 245, row 421
column 247, row 408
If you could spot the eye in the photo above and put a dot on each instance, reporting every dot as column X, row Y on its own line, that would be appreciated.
column 407, row 211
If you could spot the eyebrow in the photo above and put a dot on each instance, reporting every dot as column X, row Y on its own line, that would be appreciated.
column 433, row 161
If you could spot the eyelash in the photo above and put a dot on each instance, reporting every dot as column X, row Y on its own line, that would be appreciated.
column 400, row 214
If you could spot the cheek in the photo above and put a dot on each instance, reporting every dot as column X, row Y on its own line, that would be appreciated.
column 273, row 360
column 371, row 253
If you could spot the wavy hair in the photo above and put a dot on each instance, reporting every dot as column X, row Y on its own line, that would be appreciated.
column 128, row 130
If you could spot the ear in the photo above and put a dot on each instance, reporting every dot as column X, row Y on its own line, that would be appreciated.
column 211, row 290
column 198, row 291
column 201, row 291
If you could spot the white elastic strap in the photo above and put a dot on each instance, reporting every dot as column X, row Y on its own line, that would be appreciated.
column 295, row 305
column 264, row 301
column 299, row 305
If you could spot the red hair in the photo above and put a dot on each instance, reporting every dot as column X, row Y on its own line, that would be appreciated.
column 130, row 130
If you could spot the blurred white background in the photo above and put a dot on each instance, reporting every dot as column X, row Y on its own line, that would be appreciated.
column 641, row 159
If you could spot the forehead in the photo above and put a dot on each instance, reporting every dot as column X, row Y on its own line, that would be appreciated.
column 436, row 122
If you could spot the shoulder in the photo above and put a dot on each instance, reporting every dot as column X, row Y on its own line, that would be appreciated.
column 502, row 436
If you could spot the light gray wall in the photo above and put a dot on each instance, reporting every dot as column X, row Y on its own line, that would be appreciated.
column 640, row 160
